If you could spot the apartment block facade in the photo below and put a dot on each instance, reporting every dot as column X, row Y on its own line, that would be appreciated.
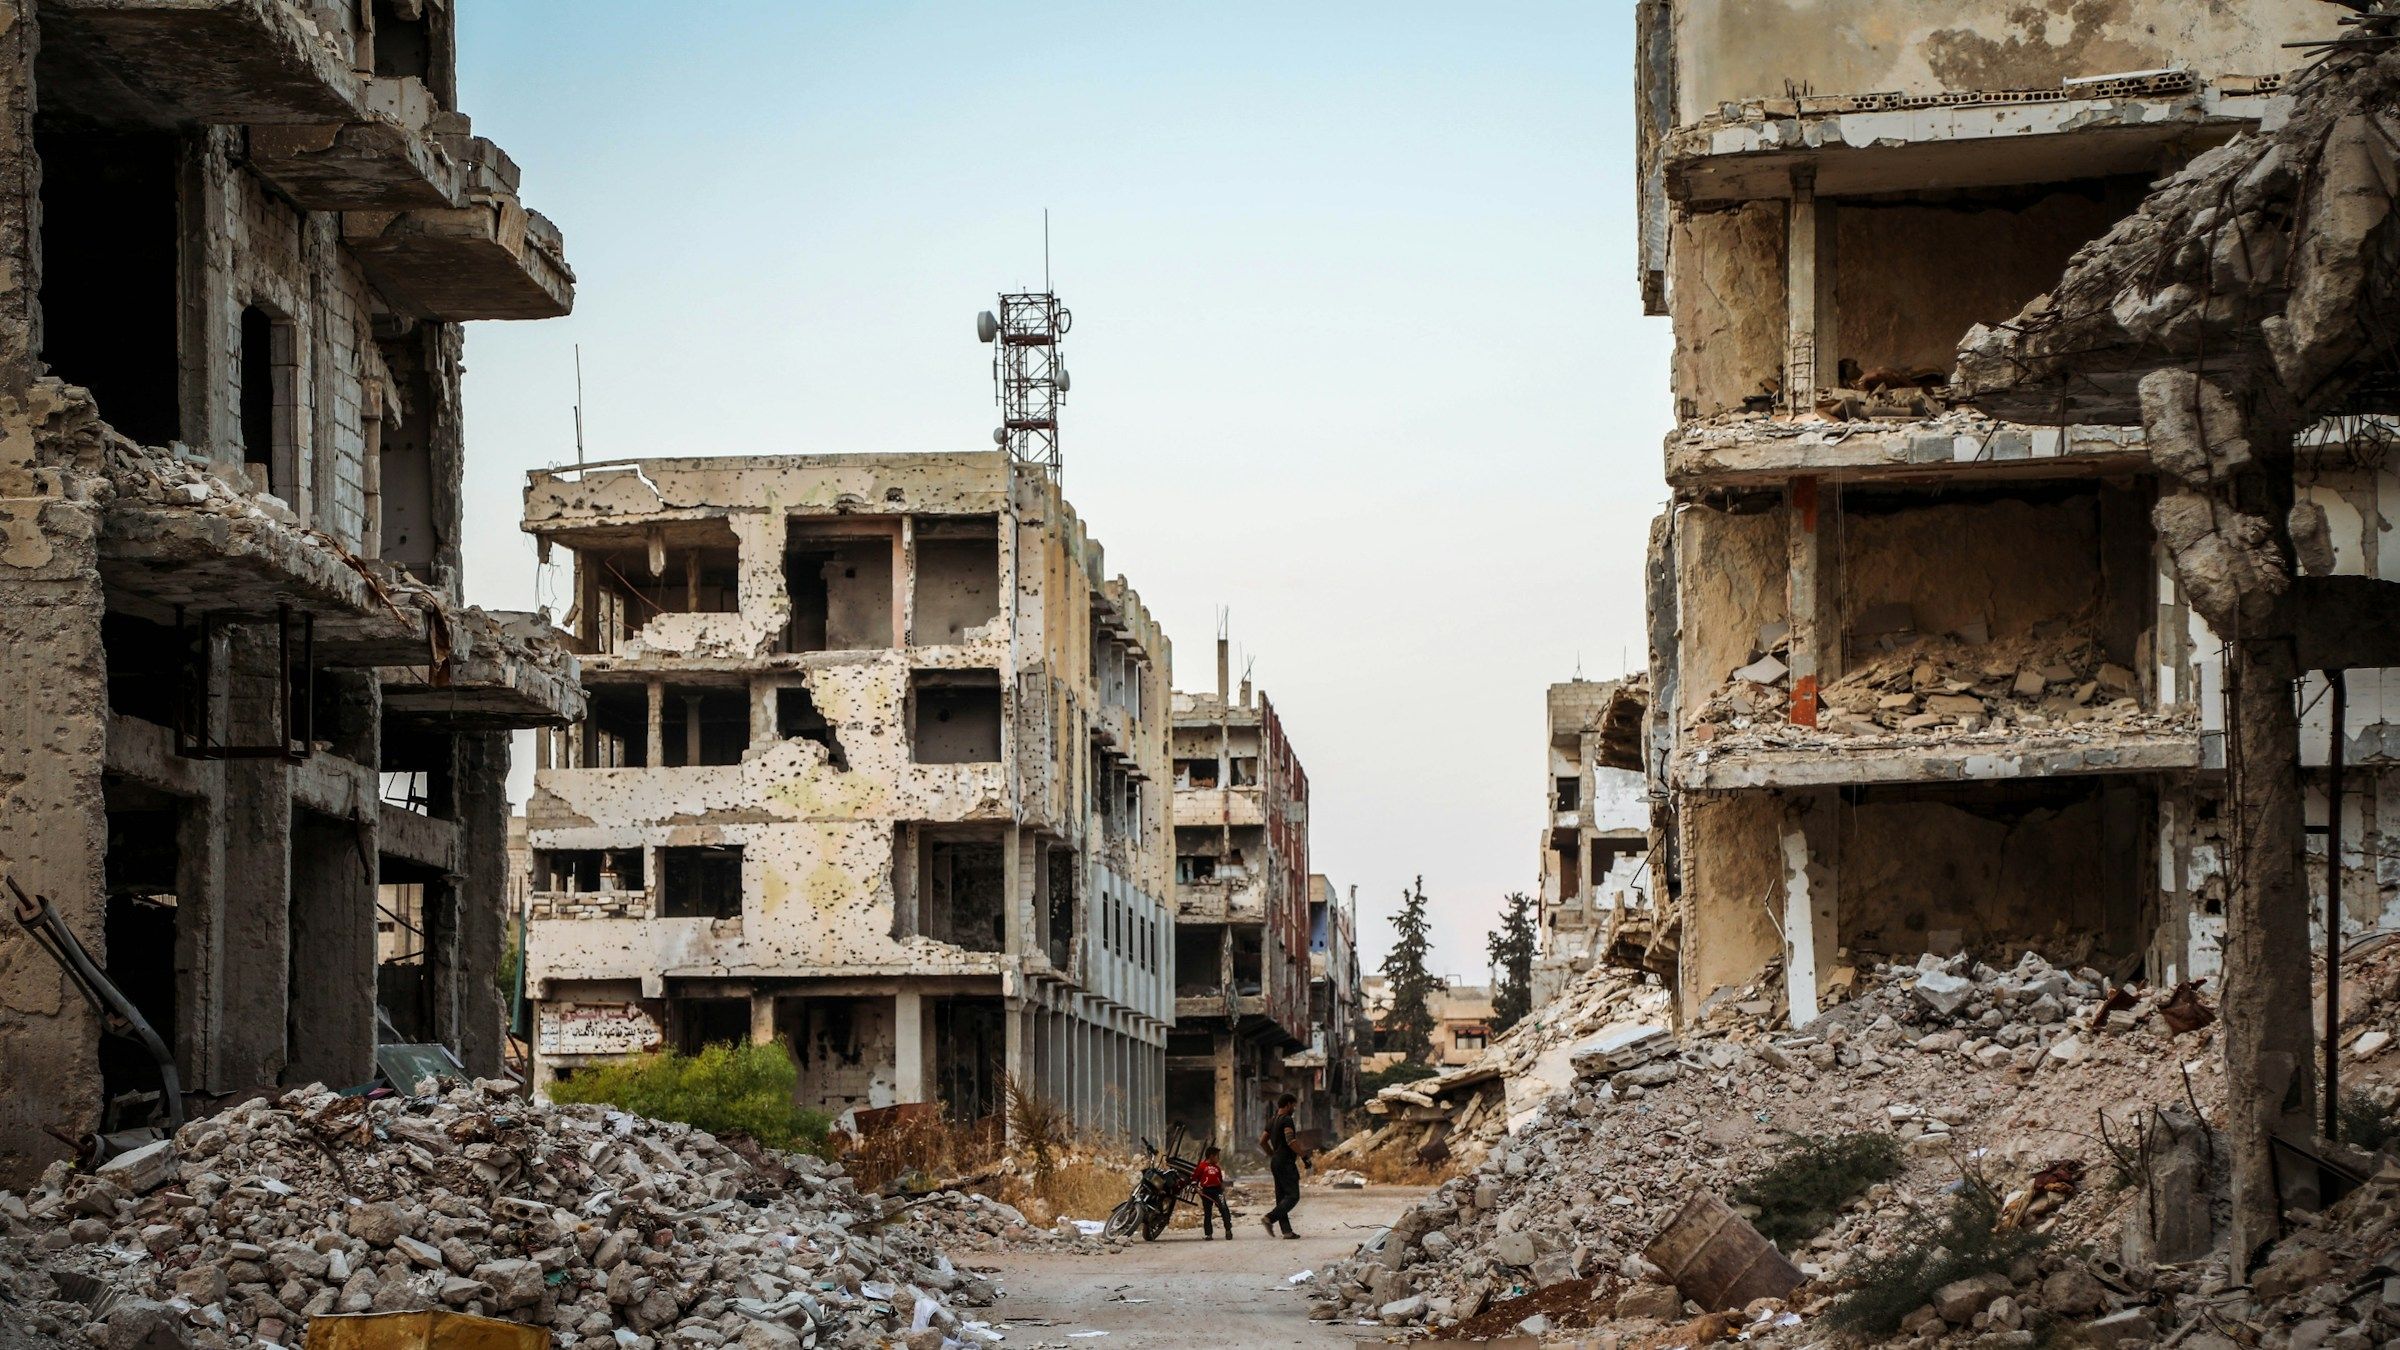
column 1241, row 914
column 1923, row 675
column 255, row 744
column 1595, row 847
column 874, row 769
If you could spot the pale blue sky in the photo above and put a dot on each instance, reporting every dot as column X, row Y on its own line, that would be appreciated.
column 1357, row 352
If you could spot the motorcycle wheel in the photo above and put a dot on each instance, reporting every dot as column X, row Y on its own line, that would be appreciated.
column 1155, row 1222
column 1122, row 1219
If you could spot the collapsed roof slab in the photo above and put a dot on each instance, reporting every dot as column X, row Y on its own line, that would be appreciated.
column 2051, row 136
column 1763, row 451
column 1712, row 769
column 505, row 670
column 387, row 159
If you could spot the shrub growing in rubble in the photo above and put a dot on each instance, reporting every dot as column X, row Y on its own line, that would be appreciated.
column 725, row 1090
column 1799, row 1194
column 1930, row 1251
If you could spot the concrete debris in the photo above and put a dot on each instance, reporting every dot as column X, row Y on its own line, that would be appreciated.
column 604, row 1227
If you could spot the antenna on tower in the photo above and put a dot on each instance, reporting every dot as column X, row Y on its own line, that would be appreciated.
column 578, row 405
column 1029, row 376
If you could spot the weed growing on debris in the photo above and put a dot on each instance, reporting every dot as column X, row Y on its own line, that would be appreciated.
column 1800, row 1193
column 2367, row 1123
column 1963, row 1241
column 1038, row 1125
column 731, row 1090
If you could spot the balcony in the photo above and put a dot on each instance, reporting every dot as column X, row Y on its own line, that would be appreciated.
column 387, row 158
column 544, row 906
column 489, row 259
column 1755, row 449
column 1810, row 760
column 257, row 62
column 502, row 671
column 1220, row 806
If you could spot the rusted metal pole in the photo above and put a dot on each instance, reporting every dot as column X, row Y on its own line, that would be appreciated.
column 2333, row 907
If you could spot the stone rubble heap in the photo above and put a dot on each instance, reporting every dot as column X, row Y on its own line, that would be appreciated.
column 1937, row 686
column 605, row 1227
column 2001, row 1071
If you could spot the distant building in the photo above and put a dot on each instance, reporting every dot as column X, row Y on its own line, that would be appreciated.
column 1462, row 1025
column 1334, row 1013
column 1596, row 844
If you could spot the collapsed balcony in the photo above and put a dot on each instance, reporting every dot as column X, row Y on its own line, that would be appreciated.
column 260, row 62
column 1856, row 636
column 491, row 258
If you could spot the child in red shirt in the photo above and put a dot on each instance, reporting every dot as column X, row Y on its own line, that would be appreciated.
column 1210, row 1178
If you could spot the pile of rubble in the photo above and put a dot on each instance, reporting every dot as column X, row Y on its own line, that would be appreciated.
column 2005, row 1078
column 1458, row 1115
column 602, row 1226
column 1924, row 687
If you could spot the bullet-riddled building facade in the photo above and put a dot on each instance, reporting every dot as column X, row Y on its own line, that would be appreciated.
column 874, row 769
column 1241, row 914
column 1595, row 848
column 1924, row 675
column 255, row 745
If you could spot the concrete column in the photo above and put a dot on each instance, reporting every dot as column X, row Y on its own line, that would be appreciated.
column 1811, row 332
column 1228, row 1124
column 329, row 1011
column 1815, row 596
column 762, row 1016
column 655, row 732
column 1812, row 923
column 691, row 728
column 481, row 899
column 255, row 920
column 910, row 1082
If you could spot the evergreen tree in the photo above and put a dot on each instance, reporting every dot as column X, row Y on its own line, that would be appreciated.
column 1410, row 1023
column 1511, row 947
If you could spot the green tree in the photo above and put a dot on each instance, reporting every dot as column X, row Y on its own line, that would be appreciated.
column 1410, row 1022
column 1511, row 947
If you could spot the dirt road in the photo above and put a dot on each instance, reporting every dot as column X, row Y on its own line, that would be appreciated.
column 1183, row 1293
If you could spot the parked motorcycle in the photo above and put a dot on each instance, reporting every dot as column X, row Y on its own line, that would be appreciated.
column 1164, row 1181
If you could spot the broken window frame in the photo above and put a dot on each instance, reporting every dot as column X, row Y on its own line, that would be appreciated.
column 685, row 896
column 295, row 707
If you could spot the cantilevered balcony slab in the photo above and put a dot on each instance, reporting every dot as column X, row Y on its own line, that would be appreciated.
column 261, row 62
column 489, row 259
column 1859, row 761
column 1740, row 450
column 388, row 159
column 504, row 671
column 1220, row 806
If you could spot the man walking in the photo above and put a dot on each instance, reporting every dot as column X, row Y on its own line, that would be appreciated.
column 1283, row 1159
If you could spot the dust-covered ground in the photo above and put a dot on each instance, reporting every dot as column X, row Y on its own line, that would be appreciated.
column 1184, row 1293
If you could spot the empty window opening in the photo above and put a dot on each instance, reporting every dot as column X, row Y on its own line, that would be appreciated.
column 616, row 727
column 409, row 521
column 701, row 883
column 1192, row 1093
column 1470, row 1038
column 843, row 1049
column 1569, row 793
column 958, row 578
column 403, row 39
column 963, row 892
column 147, row 668
column 142, row 871
column 1245, row 771
column 954, row 716
column 1199, row 960
column 1569, row 849
column 798, row 719
column 702, row 726
column 1249, row 962
column 333, row 884
column 414, row 915
column 840, row 578
column 270, row 374
column 585, row 871
column 694, row 1024
column 1061, row 888
column 1195, row 867
column 1196, row 773
column 416, row 767
column 109, row 294
column 970, row 1044
column 696, row 570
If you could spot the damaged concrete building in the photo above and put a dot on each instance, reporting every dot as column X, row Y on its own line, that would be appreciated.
column 874, row 769
column 1241, row 915
column 1927, row 680
column 1336, row 1017
column 1595, row 848
column 248, row 708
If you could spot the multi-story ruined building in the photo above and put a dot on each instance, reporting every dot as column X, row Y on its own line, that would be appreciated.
column 1596, row 845
column 874, row 768
column 1336, row 1020
column 246, row 705
column 1926, row 679
column 1241, row 913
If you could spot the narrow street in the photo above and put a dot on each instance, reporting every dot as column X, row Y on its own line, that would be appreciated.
column 1183, row 1293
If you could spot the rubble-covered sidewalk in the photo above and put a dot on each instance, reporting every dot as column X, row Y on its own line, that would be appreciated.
column 602, row 1226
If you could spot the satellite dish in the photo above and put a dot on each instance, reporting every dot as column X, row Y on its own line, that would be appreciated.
column 1063, row 381
column 986, row 327
column 999, row 435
